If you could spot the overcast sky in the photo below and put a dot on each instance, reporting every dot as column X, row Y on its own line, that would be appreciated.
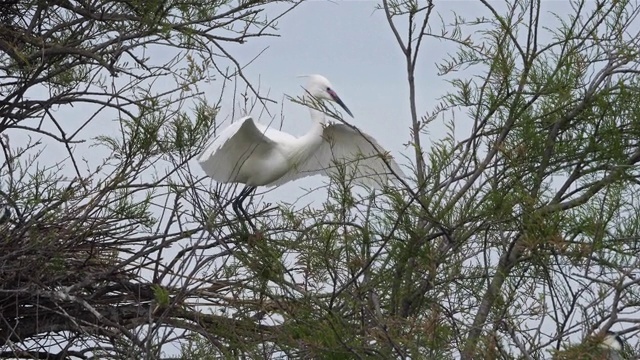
column 351, row 44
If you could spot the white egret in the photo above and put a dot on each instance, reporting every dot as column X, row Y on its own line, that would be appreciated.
column 252, row 154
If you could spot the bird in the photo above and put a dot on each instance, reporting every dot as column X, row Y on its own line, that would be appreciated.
column 613, row 342
column 609, row 347
column 253, row 154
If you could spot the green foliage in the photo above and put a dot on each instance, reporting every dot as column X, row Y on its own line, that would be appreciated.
column 518, row 229
column 105, row 236
column 161, row 295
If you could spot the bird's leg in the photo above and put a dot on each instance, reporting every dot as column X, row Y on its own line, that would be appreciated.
column 239, row 209
column 248, row 193
column 237, row 203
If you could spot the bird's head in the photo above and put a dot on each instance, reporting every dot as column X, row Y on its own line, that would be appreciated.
column 319, row 87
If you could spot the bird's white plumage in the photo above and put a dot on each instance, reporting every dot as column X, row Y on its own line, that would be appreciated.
column 250, row 153
column 612, row 341
column 246, row 152
column 346, row 152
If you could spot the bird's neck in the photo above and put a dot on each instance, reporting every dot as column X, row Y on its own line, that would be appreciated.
column 307, row 144
column 317, row 128
column 315, row 133
column 317, row 116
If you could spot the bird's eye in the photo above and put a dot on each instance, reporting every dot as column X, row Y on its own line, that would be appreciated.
column 328, row 88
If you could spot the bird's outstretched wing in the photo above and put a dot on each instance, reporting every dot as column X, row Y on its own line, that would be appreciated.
column 350, row 154
column 221, row 160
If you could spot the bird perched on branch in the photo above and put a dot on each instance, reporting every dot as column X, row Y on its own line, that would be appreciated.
column 250, row 153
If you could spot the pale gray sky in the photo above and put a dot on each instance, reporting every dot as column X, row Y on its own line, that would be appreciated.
column 351, row 44
column 347, row 41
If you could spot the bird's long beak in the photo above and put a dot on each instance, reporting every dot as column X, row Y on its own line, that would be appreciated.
column 337, row 99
